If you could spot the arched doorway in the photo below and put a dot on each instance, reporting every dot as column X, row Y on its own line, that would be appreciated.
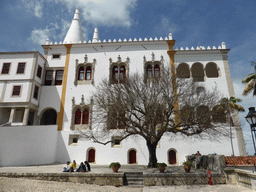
column 132, row 157
column 91, row 156
column 172, row 157
column 49, row 117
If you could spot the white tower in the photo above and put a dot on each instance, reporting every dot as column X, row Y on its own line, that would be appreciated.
column 75, row 34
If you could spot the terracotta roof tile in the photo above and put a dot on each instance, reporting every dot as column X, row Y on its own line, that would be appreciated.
column 240, row 160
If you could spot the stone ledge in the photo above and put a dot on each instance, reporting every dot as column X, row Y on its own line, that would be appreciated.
column 115, row 179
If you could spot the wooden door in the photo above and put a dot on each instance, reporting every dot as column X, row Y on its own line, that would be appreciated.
column 172, row 157
column 132, row 157
column 91, row 158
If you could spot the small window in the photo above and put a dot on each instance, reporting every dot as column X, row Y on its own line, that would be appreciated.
column 88, row 75
column 39, row 71
column 115, row 74
column 78, row 117
column 6, row 68
column 16, row 90
column 85, row 117
column 58, row 77
column 21, row 68
column 56, row 56
column 149, row 71
column 73, row 140
column 36, row 92
column 116, row 141
column 48, row 77
column 156, row 71
column 81, row 73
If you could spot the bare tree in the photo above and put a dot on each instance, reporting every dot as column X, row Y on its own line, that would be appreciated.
column 146, row 107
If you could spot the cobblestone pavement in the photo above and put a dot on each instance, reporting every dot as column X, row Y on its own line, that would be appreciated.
column 29, row 185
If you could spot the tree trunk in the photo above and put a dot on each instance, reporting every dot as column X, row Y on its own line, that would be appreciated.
column 152, row 154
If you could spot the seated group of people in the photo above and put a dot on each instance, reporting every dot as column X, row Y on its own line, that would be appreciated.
column 83, row 167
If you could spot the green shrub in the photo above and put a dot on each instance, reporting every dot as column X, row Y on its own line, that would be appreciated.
column 115, row 164
column 161, row 165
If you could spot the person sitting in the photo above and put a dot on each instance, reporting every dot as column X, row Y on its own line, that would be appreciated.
column 73, row 165
column 66, row 167
column 88, row 167
column 81, row 168
column 198, row 153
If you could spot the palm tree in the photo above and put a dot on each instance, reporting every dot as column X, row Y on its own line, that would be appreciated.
column 229, row 106
column 250, row 80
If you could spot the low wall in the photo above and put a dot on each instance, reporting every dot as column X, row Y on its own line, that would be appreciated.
column 114, row 179
column 182, row 179
column 241, row 177
column 28, row 145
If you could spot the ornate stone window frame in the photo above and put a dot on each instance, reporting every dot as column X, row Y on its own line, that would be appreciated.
column 85, row 64
column 82, row 106
column 153, row 62
column 118, row 64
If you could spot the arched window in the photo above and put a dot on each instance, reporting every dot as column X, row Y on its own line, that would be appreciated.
column 183, row 71
column 197, row 72
column 85, row 117
column 78, row 117
column 115, row 74
column 81, row 73
column 156, row 71
column 122, row 75
column 149, row 71
column 88, row 74
column 211, row 70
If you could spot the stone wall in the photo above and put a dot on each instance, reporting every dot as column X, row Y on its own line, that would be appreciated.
column 182, row 179
column 114, row 179
column 212, row 162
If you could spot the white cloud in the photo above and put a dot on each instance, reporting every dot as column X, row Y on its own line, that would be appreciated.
column 39, row 36
column 104, row 12
column 34, row 6
column 38, row 9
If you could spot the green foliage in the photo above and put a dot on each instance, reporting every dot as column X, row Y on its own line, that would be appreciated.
column 113, row 164
column 188, row 163
column 161, row 165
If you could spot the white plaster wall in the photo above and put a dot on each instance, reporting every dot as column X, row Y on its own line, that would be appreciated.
column 28, row 145
column 24, row 92
column 56, row 62
column 107, row 154
column 50, row 98
column 40, row 62
column 14, row 59
column 33, row 100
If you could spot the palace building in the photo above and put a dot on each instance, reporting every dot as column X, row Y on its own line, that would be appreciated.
column 46, row 99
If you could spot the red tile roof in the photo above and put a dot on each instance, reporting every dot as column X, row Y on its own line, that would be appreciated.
column 240, row 160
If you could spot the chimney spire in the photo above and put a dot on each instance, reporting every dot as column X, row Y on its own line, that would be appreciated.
column 75, row 33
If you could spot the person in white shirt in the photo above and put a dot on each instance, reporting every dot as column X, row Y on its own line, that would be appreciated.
column 66, row 167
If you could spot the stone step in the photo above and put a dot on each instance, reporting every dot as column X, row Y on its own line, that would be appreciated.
column 134, row 179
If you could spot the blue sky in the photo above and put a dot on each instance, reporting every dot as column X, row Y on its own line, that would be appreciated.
column 26, row 24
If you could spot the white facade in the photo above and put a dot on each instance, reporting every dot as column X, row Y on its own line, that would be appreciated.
column 60, row 91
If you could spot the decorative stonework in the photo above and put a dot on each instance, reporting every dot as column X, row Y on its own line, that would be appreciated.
column 85, row 64
column 153, row 63
column 82, row 106
column 118, row 64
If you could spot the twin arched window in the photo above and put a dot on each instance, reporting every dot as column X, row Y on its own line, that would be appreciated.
column 153, row 71
column 85, row 74
column 118, row 74
column 81, row 117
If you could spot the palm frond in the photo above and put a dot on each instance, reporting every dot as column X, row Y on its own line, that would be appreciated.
column 248, row 88
column 249, row 77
